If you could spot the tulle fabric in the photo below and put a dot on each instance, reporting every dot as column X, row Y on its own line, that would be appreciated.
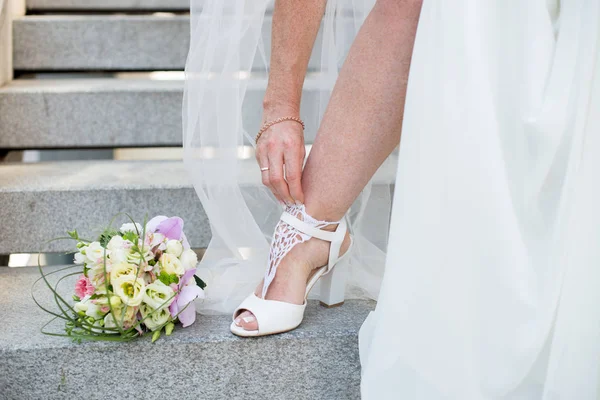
column 226, row 65
column 492, row 283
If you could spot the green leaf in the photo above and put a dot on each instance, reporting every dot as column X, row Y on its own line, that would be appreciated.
column 107, row 235
column 164, row 278
column 169, row 328
column 167, row 279
column 131, row 236
column 156, row 335
column 152, row 262
column 199, row 282
column 73, row 234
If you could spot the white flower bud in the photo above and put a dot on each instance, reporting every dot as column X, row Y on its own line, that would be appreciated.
column 171, row 264
column 174, row 247
column 130, row 227
column 189, row 259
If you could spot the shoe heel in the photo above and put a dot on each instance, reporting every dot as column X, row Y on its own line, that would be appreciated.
column 333, row 286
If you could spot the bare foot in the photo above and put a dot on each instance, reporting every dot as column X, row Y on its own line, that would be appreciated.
column 293, row 273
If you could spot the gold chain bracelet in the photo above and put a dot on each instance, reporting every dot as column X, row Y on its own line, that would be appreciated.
column 276, row 121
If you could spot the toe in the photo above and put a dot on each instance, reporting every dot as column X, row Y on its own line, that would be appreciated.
column 238, row 320
column 248, row 322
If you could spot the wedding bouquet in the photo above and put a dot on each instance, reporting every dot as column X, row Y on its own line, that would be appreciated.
column 131, row 281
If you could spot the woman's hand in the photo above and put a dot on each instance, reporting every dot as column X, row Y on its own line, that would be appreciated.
column 294, row 29
column 281, row 149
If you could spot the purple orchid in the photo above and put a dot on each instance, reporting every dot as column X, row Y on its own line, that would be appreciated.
column 185, row 297
column 171, row 228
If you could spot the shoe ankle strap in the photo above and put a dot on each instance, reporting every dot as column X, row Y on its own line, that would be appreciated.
column 336, row 238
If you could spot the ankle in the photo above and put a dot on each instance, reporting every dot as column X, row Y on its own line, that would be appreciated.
column 321, row 213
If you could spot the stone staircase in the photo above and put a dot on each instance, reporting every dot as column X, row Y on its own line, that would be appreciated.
column 106, row 74
column 316, row 361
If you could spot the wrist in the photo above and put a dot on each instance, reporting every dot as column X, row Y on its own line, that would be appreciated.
column 273, row 109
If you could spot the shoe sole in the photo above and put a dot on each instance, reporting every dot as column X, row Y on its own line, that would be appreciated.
column 247, row 334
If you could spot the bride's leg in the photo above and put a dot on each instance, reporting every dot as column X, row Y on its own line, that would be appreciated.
column 363, row 121
column 360, row 128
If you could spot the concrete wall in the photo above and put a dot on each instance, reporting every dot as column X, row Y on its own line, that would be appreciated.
column 9, row 9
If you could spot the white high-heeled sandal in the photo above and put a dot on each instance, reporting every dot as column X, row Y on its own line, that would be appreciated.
column 275, row 316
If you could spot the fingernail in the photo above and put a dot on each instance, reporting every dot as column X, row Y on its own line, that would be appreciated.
column 298, row 203
column 248, row 319
column 237, row 321
column 288, row 203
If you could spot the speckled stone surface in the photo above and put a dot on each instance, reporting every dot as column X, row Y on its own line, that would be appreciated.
column 80, row 112
column 319, row 360
column 108, row 4
column 70, row 113
column 44, row 200
column 113, row 42
column 124, row 42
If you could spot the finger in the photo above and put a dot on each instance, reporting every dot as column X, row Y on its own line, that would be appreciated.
column 263, row 161
column 293, row 159
column 276, row 177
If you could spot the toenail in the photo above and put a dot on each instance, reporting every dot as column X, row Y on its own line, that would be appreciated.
column 237, row 321
column 249, row 319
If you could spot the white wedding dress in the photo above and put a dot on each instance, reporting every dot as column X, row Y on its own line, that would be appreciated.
column 492, row 283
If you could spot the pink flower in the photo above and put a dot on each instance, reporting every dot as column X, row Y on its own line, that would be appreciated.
column 84, row 287
column 183, row 306
column 171, row 228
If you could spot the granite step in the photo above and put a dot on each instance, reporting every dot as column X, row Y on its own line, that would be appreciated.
column 158, row 41
column 44, row 200
column 319, row 360
column 115, row 110
column 110, row 5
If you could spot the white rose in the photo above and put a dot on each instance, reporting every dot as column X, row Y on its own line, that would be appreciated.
column 128, row 319
column 94, row 253
column 116, row 242
column 174, row 247
column 82, row 305
column 119, row 255
column 122, row 269
column 136, row 257
column 158, row 295
column 171, row 264
column 130, row 289
column 189, row 259
column 79, row 258
column 119, row 248
column 130, row 227
column 154, row 319
column 93, row 310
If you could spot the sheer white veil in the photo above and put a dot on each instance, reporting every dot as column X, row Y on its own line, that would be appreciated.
column 226, row 74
